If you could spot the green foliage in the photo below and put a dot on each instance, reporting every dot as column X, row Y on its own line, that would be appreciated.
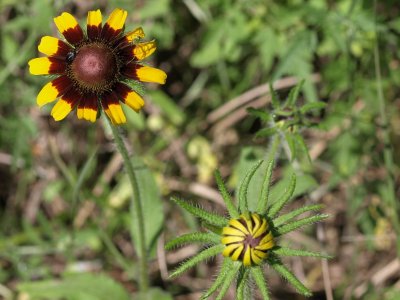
column 75, row 287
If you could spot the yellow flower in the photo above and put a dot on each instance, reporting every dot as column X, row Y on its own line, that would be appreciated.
column 92, row 69
column 247, row 239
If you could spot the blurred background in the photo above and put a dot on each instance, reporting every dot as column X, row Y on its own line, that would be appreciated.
column 220, row 56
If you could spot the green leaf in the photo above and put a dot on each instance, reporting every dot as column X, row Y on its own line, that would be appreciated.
column 284, row 251
column 249, row 156
column 280, row 203
column 259, row 113
column 258, row 276
column 293, row 95
column 228, row 280
column 300, row 141
column 244, row 186
column 168, row 106
column 151, row 294
column 75, row 287
column 265, row 132
column 242, row 285
column 288, row 227
column 205, row 254
column 290, row 215
column 264, row 195
column 195, row 237
column 311, row 106
column 278, row 266
column 223, row 272
column 208, row 217
column 274, row 98
column 152, row 206
column 292, row 145
column 233, row 212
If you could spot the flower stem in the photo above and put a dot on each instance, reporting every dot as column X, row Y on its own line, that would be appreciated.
column 136, row 206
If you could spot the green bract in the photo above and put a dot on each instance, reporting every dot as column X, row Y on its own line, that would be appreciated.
column 255, row 234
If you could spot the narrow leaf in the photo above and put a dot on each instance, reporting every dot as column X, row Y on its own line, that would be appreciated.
column 205, row 254
column 228, row 280
column 292, row 145
column 299, row 223
column 263, row 200
column 293, row 95
column 265, row 132
column 284, row 251
column 278, row 266
column 300, row 141
column 195, row 237
column 259, row 113
column 242, row 290
column 290, row 215
column 280, row 203
column 274, row 98
column 311, row 106
column 258, row 276
column 233, row 212
column 243, row 206
column 226, row 266
column 208, row 217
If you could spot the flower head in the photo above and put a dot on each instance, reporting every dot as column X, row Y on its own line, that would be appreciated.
column 94, row 69
column 247, row 240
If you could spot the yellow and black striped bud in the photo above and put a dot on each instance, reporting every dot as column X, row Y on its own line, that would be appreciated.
column 247, row 239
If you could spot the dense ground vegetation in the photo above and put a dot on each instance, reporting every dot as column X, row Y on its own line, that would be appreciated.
column 64, row 195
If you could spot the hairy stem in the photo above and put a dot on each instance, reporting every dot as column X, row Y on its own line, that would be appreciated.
column 136, row 206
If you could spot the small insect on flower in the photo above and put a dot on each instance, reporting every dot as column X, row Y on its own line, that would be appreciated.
column 94, row 70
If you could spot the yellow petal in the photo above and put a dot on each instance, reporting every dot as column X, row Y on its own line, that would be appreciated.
column 262, row 229
column 255, row 258
column 53, row 89
column 267, row 238
column 61, row 110
column 117, row 19
column 134, row 101
column 117, row 113
column 260, row 254
column 135, row 34
column 229, row 249
column 235, row 223
column 69, row 27
column 50, row 46
column 94, row 18
column 45, row 65
column 149, row 74
column 231, row 239
column 87, row 113
column 232, row 231
column 247, row 257
column 143, row 50
column 257, row 222
column 47, row 94
column 236, row 254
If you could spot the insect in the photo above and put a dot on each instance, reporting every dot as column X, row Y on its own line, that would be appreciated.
column 70, row 56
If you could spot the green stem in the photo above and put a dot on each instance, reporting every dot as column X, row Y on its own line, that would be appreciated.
column 136, row 206
column 276, row 140
column 387, row 151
